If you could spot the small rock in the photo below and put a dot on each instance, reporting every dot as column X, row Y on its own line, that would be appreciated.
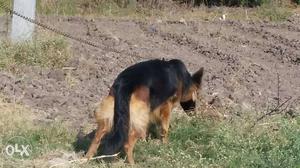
column 216, row 102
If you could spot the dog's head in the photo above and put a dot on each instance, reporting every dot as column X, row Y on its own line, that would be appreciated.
column 188, row 99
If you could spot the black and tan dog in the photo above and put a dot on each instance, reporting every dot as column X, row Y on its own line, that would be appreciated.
column 142, row 94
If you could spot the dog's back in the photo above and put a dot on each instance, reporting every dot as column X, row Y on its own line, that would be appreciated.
column 161, row 77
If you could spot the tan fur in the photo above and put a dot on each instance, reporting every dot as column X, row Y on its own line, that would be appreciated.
column 139, row 114
column 104, row 115
column 105, row 111
column 132, row 139
column 192, row 94
column 155, row 115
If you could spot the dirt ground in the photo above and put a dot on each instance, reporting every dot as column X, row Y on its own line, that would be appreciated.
column 242, row 62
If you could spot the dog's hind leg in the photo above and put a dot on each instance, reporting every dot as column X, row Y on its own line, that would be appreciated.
column 139, row 119
column 165, row 114
column 104, row 116
column 129, row 146
column 101, row 131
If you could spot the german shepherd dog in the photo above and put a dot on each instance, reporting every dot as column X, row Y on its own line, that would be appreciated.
column 143, row 93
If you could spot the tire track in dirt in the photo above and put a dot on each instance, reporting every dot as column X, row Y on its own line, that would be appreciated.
column 260, row 30
column 228, row 32
column 281, row 48
column 209, row 51
column 249, row 71
column 219, row 79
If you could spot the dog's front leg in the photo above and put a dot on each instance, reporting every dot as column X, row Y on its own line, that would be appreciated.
column 165, row 114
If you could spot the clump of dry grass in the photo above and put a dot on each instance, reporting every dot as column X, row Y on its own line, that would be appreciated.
column 44, row 51
column 47, row 140
column 270, row 10
column 14, row 117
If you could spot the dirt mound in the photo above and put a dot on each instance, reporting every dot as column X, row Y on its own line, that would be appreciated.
column 242, row 62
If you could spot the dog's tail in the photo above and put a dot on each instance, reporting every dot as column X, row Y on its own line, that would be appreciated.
column 115, row 140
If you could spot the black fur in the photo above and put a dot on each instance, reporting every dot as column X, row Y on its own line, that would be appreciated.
column 160, row 76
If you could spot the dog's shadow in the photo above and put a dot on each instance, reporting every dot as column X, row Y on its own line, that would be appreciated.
column 83, row 141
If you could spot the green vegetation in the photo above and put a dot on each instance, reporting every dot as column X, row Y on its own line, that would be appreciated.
column 200, row 143
column 65, row 7
column 17, row 120
column 91, row 7
column 6, row 3
column 262, row 9
column 297, row 2
column 246, row 3
column 51, row 52
column 273, row 12
column 194, row 142
column 81, row 7
column 265, row 9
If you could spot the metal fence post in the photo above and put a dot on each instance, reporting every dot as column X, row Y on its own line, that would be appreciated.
column 22, row 30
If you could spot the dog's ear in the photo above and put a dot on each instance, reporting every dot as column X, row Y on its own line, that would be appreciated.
column 197, row 77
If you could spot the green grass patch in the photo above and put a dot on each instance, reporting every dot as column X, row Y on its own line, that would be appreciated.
column 44, row 138
column 17, row 127
column 200, row 143
column 50, row 52
column 6, row 3
column 62, row 7
column 194, row 142
column 273, row 12
column 91, row 7
column 262, row 9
